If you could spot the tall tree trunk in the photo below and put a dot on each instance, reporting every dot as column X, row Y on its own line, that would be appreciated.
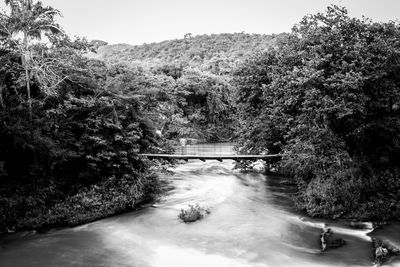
column 25, row 59
column 1, row 98
column 28, row 92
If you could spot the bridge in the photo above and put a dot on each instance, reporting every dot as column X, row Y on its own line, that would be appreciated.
column 216, row 151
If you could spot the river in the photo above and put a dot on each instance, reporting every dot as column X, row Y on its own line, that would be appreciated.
column 252, row 223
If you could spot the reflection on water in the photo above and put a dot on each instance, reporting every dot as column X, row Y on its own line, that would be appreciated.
column 252, row 223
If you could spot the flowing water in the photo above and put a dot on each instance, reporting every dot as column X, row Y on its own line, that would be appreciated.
column 252, row 223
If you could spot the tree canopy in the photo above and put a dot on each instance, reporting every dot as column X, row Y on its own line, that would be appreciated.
column 71, row 155
column 328, row 97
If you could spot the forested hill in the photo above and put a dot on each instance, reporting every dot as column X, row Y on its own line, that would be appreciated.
column 216, row 52
column 194, row 72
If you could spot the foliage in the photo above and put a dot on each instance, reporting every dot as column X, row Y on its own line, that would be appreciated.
column 30, row 20
column 206, row 104
column 27, row 210
column 193, row 213
column 215, row 53
column 193, row 75
column 72, row 155
column 328, row 97
column 192, row 104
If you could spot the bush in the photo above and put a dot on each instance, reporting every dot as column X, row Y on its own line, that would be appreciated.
column 31, row 209
column 360, row 193
column 193, row 213
column 334, row 195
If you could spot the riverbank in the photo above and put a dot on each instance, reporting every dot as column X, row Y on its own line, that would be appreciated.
column 30, row 208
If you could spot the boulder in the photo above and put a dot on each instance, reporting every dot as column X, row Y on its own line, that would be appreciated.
column 328, row 240
column 383, row 251
column 361, row 225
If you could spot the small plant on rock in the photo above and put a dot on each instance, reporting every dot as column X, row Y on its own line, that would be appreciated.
column 193, row 213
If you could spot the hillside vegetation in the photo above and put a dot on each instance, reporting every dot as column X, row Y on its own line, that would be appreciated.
column 217, row 53
column 189, row 78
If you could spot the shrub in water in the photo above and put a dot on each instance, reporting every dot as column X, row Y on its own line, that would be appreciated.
column 193, row 213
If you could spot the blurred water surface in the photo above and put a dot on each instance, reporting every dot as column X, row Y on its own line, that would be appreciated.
column 252, row 223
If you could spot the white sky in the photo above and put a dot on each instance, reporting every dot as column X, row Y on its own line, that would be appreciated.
column 146, row 21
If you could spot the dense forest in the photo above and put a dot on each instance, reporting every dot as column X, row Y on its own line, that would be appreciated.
column 328, row 98
column 75, row 114
column 70, row 136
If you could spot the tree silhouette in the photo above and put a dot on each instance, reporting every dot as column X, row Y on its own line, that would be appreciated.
column 26, row 23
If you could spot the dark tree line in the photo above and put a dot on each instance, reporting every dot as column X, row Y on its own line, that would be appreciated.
column 68, row 144
column 329, row 98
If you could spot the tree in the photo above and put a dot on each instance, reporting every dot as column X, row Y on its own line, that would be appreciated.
column 328, row 92
column 75, row 158
column 206, row 104
column 27, row 20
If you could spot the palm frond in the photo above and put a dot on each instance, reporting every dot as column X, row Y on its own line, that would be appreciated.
column 30, row 18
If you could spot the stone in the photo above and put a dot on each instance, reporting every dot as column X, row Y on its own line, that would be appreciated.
column 383, row 251
column 328, row 241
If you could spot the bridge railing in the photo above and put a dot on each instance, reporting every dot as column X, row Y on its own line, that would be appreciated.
column 207, row 149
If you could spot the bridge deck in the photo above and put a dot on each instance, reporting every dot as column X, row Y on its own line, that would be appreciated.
column 213, row 157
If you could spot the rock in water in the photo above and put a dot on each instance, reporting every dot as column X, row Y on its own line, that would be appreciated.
column 328, row 241
column 383, row 251
column 361, row 225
